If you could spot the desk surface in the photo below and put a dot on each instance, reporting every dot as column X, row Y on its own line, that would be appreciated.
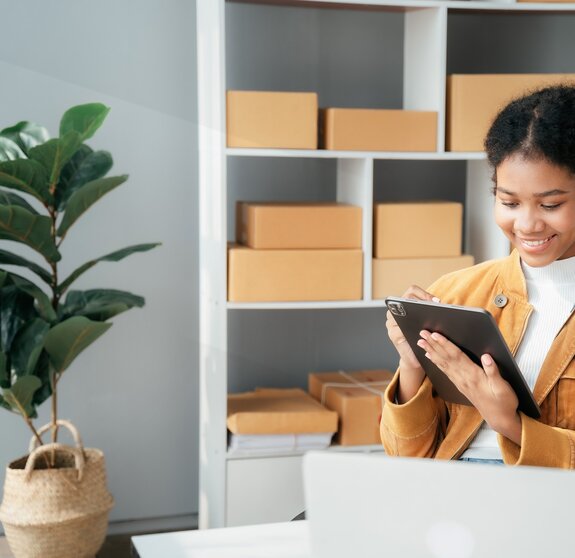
column 273, row 540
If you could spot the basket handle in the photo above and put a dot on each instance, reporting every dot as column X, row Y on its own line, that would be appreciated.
column 78, row 454
column 66, row 424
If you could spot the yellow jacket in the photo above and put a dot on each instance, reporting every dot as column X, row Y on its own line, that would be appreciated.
column 427, row 426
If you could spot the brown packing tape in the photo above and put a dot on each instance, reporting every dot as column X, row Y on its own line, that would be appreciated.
column 357, row 397
column 370, row 386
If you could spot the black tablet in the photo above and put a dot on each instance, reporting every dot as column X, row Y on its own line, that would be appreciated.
column 473, row 330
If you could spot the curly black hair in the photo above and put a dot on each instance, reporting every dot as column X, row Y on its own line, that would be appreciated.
column 540, row 125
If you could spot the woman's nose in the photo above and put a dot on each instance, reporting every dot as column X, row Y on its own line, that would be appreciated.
column 528, row 221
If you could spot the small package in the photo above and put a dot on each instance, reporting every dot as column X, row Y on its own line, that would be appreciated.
column 473, row 101
column 278, row 411
column 272, row 119
column 357, row 397
column 393, row 276
column 422, row 229
column 294, row 275
column 291, row 225
column 355, row 129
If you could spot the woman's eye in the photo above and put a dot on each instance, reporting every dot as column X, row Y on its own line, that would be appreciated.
column 551, row 206
column 509, row 204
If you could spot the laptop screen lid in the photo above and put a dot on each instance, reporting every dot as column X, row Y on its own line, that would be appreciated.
column 364, row 506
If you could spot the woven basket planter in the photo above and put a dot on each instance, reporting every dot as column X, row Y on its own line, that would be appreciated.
column 59, row 511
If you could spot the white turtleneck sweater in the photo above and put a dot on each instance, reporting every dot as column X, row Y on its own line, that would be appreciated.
column 551, row 292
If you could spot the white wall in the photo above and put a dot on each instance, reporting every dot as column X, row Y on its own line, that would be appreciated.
column 134, row 392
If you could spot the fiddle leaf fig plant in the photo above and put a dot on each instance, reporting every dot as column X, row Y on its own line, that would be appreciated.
column 46, row 186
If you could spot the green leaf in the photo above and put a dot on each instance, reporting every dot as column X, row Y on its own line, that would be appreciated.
column 10, row 150
column 7, row 258
column 4, row 404
column 42, row 303
column 55, row 153
column 65, row 341
column 84, row 119
column 9, row 198
column 27, row 176
column 81, row 200
column 26, row 134
column 19, row 225
column 16, row 308
column 86, row 165
column 43, row 372
column 27, row 347
column 112, row 257
column 100, row 304
column 19, row 397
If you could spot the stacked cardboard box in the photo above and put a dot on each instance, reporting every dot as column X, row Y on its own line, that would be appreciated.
column 415, row 243
column 278, row 420
column 278, row 411
column 378, row 129
column 357, row 397
column 289, row 252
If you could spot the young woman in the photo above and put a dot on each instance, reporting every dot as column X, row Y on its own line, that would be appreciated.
column 531, row 294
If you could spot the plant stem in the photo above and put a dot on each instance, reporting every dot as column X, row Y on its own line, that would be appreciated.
column 54, row 381
column 34, row 431
column 55, row 303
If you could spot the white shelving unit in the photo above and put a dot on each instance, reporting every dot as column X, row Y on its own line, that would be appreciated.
column 237, row 489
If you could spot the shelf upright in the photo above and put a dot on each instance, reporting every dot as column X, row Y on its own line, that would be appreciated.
column 425, row 62
column 210, row 17
column 484, row 239
column 355, row 186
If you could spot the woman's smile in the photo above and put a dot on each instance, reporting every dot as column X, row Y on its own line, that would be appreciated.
column 535, row 208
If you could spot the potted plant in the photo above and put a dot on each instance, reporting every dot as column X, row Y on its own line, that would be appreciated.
column 46, row 185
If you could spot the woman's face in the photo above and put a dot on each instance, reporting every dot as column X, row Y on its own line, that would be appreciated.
column 535, row 208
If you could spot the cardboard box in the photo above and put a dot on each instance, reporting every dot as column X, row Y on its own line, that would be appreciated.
column 298, row 225
column 357, row 397
column 473, row 101
column 395, row 276
column 378, row 130
column 272, row 119
column 278, row 411
column 417, row 229
column 548, row 1
column 294, row 275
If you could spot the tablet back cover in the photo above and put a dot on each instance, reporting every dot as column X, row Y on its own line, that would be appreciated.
column 473, row 330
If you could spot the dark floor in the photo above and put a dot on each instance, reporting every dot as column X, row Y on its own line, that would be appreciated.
column 115, row 546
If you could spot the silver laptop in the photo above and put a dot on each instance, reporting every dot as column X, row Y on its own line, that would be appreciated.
column 363, row 506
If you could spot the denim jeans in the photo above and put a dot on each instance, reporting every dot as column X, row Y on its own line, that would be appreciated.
column 477, row 460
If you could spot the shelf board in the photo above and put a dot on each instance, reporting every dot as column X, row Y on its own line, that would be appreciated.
column 263, row 454
column 407, row 5
column 328, row 154
column 313, row 305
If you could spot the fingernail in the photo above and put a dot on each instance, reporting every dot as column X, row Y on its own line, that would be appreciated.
column 435, row 299
column 487, row 360
column 436, row 336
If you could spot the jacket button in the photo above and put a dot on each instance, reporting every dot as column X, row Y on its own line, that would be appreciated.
column 500, row 300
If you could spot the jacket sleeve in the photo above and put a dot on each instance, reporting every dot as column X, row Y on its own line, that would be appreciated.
column 541, row 445
column 414, row 428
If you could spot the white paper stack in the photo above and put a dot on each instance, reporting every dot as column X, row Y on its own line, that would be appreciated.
column 278, row 443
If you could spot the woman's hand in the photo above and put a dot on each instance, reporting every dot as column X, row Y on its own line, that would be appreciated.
column 411, row 375
column 483, row 385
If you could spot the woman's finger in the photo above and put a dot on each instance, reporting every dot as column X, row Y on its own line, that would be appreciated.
column 417, row 292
